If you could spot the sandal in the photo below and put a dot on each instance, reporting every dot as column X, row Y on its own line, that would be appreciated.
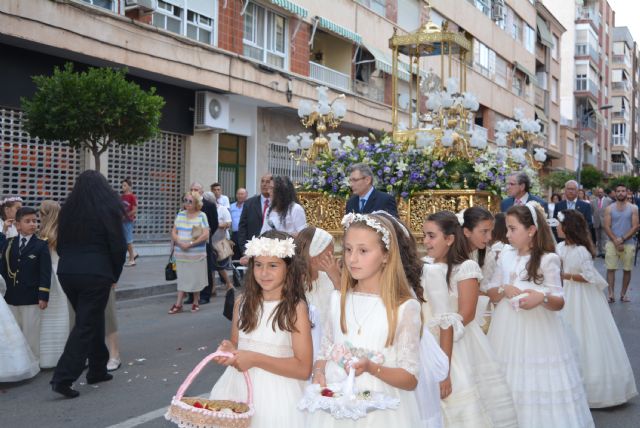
column 195, row 307
column 175, row 309
column 611, row 300
column 625, row 299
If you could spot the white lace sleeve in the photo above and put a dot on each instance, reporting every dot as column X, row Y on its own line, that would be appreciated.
column 437, row 293
column 550, row 267
column 467, row 270
column 488, row 268
column 588, row 270
column 407, row 338
column 327, row 339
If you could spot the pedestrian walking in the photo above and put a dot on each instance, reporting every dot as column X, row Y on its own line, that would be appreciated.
column 236, row 213
column 131, row 211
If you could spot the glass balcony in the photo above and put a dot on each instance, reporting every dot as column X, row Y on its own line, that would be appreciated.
column 619, row 168
column 369, row 91
column 585, row 49
column 329, row 76
column 584, row 85
column 589, row 14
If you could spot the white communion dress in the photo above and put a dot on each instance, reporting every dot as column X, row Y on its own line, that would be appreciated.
column 367, row 328
column 535, row 348
column 606, row 370
column 17, row 362
column 480, row 396
column 318, row 300
column 55, row 324
column 274, row 397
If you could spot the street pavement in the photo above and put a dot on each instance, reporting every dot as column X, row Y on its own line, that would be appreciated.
column 159, row 350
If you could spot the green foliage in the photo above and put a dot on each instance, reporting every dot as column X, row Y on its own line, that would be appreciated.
column 93, row 109
column 590, row 177
column 630, row 181
column 556, row 179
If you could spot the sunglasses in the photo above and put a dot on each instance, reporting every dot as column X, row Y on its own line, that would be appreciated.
column 187, row 201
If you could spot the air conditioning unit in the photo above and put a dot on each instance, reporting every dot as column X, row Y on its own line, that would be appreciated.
column 497, row 10
column 143, row 5
column 212, row 112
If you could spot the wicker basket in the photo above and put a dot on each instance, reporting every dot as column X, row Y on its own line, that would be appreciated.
column 213, row 413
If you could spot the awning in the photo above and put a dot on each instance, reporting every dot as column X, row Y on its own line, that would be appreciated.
column 384, row 62
column 543, row 117
column 543, row 31
column 523, row 69
column 340, row 30
column 291, row 7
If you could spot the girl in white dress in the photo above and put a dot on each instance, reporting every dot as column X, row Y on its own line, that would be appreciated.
column 434, row 363
column 55, row 320
column 17, row 362
column 376, row 319
column 527, row 332
column 475, row 394
column 314, row 247
column 270, row 335
column 607, row 373
column 9, row 206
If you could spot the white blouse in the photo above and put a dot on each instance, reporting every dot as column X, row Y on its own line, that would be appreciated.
column 295, row 221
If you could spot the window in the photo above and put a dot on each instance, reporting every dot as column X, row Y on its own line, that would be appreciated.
column 618, row 134
column 554, row 90
column 529, row 38
column 105, row 4
column 553, row 133
column 555, row 47
column 264, row 36
column 517, row 85
column 501, row 72
column 516, row 28
column 378, row 6
column 199, row 27
column 485, row 59
column 570, row 144
column 483, row 6
column 168, row 17
column 280, row 163
column 581, row 82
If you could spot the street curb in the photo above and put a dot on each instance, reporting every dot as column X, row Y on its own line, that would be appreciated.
column 151, row 290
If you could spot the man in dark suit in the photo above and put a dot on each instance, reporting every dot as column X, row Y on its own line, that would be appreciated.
column 518, row 186
column 366, row 199
column 211, row 211
column 572, row 202
column 253, row 213
column 25, row 263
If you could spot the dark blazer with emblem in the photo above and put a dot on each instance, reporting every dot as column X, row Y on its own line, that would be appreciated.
column 583, row 207
column 378, row 201
column 32, row 270
column 250, row 221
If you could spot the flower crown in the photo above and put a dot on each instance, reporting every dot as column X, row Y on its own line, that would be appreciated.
column 270, row 247
column 350, row 218
column 11, row 199
column 561, row 217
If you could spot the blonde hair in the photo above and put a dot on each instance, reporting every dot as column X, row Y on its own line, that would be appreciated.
column 197, row 199
column 49, row 213
column 395, row 287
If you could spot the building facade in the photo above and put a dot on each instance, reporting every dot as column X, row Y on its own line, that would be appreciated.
column 233, row 72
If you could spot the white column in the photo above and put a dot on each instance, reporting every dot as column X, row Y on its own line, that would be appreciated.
column 201, row 159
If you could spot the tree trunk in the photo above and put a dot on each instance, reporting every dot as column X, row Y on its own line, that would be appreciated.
column 96, row 158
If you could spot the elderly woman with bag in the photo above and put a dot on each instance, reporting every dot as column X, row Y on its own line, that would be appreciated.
column 189, row 235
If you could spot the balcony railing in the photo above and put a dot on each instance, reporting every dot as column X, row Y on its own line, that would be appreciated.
column 619, row 168
column 481, row 130
column 329, row 76
column 620, row 140
column 368, row 91
column 583, row 85
column 622, row 114
column 541, row 98
column 589, row 15
column 622, row 59
column 584, row 49
column 621, row 86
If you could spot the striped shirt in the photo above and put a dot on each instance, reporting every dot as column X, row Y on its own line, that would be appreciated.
column 184, row 226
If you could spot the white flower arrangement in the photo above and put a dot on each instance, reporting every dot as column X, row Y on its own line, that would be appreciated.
column 270, row 247
column 350, row 218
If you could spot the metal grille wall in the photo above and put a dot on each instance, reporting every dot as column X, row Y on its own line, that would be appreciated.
column 34, row 169
column 280, row 163
column 157, row 172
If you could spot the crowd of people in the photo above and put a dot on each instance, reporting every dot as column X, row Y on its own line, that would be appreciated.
column 306, row 323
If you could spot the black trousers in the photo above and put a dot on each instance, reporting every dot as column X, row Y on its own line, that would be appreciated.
column 237, row 254
column 88, row 294
column 205, row 294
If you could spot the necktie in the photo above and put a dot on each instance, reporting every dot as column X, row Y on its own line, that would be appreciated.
column 600, row 203
column 362, row 204
column 264, row 209
column 23, row 243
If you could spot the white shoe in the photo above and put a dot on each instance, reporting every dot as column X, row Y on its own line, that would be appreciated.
column 113, row 364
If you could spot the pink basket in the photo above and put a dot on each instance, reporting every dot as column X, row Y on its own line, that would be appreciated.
column 235, row 414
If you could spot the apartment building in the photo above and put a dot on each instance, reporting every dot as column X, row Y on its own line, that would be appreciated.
column 232, row 73
column 624, row 101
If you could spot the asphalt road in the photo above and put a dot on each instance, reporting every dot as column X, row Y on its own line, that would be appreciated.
column 159, row 350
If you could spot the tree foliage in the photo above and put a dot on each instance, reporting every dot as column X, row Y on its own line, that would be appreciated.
column 556, row 179
column 93, row 109
column 590, row 177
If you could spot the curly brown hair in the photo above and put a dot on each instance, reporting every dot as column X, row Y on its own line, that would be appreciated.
column 576, row 230
column 542, row 241
column 251, row 302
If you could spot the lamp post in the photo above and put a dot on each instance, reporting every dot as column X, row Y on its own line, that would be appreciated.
column 585, row 117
